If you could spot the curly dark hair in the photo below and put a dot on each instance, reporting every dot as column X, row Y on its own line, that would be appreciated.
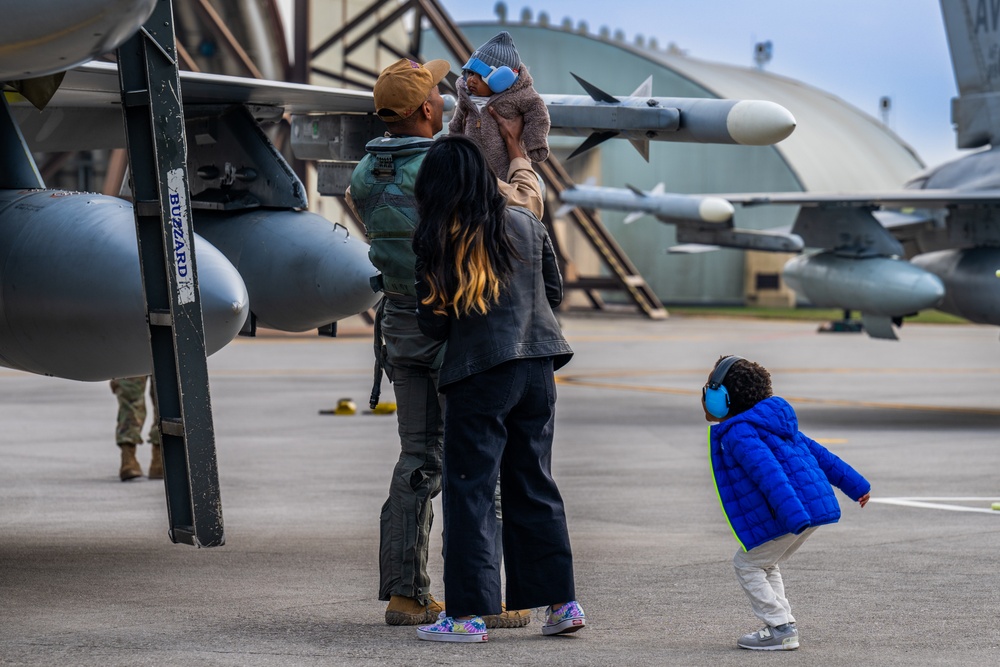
column 748, row 383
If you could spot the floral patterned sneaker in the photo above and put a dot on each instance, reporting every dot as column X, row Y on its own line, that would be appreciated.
column 449, row 629
column 569, row 618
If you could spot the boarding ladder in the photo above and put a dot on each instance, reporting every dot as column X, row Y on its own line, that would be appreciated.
column 154, row 128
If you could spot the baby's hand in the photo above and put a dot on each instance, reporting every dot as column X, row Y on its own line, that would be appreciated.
column 863, row 500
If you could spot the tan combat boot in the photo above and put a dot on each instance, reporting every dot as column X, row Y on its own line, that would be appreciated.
column 156, row 464
column 130, row 466
column 517, row 618
column 408, row 611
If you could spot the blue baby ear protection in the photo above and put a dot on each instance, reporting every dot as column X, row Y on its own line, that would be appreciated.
column 714, row 395
column 498, row 79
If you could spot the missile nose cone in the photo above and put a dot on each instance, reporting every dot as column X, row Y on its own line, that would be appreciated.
column 759, row 123
column 715, row 209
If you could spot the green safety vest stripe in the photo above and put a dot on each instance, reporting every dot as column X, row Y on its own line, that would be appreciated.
column 718, row 494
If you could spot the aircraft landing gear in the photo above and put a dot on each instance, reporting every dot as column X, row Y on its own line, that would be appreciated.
column 845, row 325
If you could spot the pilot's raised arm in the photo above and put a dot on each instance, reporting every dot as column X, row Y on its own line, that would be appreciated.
column 522, row 187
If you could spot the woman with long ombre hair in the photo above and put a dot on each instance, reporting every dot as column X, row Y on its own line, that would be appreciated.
column 487, row 281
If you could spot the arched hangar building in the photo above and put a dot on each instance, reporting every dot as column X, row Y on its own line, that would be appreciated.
column 835, row 148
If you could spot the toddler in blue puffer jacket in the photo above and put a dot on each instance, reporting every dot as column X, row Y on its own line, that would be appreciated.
column 775, row 486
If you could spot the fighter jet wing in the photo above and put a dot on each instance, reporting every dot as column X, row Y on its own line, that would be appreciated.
column 85, row 113
column 897, row 199
column 702, row 220
column 868, row 222
column 95, row 84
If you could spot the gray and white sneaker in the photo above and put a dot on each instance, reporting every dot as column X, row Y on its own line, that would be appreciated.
column 771, row 639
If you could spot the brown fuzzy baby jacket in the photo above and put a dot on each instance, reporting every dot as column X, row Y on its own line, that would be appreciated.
column 520, row 99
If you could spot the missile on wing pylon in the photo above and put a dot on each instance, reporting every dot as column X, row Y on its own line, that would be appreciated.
column 71, row 299
column 47, row 36
column 642, row 118
column 665, row 206
column 301, row 271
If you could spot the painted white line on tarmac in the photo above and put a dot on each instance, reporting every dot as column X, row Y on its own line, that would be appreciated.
column 941, row 504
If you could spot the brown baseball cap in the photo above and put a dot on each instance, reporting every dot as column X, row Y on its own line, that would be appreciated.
column 404, row 85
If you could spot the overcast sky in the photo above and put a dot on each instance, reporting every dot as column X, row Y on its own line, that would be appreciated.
column 859, row 50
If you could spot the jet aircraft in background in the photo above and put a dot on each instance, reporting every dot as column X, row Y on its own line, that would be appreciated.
column 888, row 255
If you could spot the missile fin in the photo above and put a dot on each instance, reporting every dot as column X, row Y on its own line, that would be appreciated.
column 564, row 210
column 594, row 139
column 642, row 146
column 636, row 191
column 645, row 89
column 633, row 216
column 596, row 93
column 39, row 90
column 878, row 326
column 18, row 169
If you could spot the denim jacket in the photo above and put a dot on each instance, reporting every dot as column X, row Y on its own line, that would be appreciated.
column 520, row 326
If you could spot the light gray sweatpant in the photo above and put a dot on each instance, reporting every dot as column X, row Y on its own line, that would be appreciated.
column 758, row 574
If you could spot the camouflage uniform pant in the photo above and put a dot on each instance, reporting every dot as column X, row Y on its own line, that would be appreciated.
column 407, row 515
column 131, row 394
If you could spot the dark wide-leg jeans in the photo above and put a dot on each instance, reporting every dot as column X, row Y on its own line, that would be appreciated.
column 500, row 421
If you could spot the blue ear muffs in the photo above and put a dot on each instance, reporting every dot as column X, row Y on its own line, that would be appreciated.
column 498, row 79
column 714, row 395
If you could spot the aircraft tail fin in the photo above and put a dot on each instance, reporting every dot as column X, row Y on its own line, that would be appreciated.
column 973, row 30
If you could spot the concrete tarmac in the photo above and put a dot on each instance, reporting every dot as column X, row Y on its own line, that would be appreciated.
column 89, row 577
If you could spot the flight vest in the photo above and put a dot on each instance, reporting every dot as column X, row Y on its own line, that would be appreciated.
column 382, row 191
